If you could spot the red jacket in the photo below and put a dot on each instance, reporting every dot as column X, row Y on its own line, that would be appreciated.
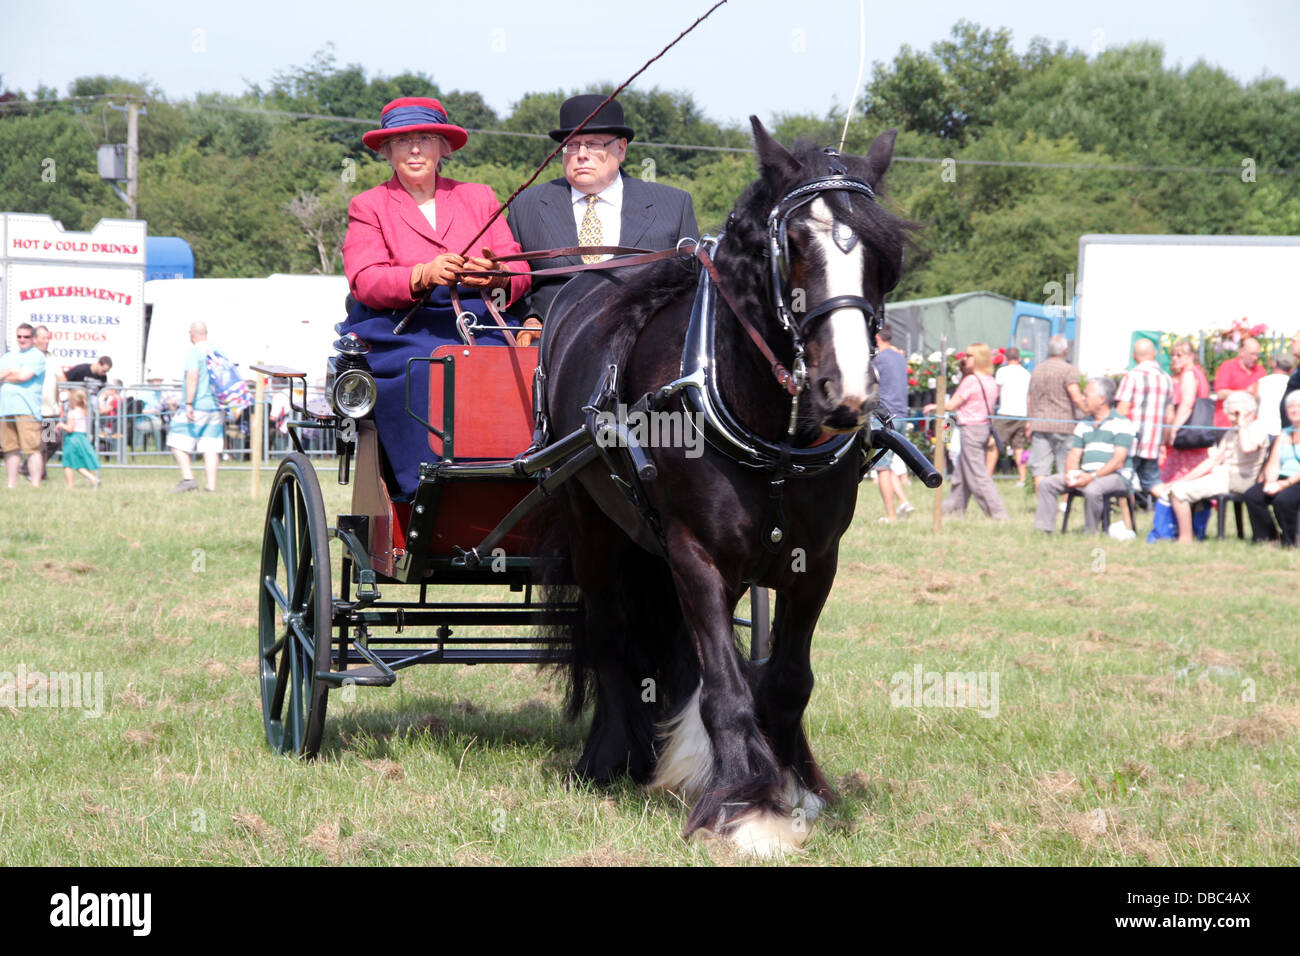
column 388, row 235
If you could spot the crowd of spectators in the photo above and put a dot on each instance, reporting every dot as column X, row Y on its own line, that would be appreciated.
column 1125, row 447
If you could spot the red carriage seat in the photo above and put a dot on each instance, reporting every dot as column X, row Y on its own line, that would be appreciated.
column 493, row 408
column 491, row 419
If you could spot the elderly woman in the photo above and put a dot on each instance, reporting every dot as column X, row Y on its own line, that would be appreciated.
column 1230, row 468
column 403, row 244
column 1281, row 484
column 973, row 402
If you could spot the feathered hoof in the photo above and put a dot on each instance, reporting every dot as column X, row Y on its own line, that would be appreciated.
column 765, row 834
column 802, row 799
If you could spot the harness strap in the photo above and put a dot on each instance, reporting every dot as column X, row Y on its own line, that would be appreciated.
column 641, row 257
column 783, row 376
column 772, row 530
column 492, row 310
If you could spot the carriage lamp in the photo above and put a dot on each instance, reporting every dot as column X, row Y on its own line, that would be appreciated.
column 354, row 390
column 355, row 393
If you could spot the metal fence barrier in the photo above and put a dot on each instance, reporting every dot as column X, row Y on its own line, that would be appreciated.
column 129, row 425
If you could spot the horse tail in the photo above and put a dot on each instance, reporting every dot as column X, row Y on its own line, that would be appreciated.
column 628, row 651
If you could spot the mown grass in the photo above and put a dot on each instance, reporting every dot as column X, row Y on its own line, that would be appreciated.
column 1126, row 730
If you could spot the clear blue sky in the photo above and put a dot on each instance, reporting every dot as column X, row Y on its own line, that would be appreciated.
column 751, row 56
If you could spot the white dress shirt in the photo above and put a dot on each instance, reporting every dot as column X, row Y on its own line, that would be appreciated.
column 609, row 210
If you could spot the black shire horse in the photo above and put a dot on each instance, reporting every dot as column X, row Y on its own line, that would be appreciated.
column 662, row 562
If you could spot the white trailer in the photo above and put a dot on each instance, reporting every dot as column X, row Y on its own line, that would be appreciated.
column 282, row 319
column 1179, row 284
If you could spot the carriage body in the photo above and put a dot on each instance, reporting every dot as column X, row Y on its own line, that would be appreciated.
column 353, row 602
column 375, row 603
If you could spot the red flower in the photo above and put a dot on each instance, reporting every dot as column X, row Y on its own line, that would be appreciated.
column 912, row 381
column 999, row 358
column 959, row 356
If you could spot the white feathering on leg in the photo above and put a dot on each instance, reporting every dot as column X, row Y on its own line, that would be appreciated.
column 764, row 833
column 800, row 798
column 686, row 763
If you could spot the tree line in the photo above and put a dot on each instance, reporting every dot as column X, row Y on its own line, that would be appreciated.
column 1004, row 159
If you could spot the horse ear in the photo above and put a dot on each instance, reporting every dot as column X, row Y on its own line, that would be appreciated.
column 880, row 155
column 777, row 164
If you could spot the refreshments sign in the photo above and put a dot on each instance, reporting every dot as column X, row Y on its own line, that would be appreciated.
column 87, row 287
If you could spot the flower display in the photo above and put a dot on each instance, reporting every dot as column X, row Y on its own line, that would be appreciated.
column 923, row 374
column 1215, row 346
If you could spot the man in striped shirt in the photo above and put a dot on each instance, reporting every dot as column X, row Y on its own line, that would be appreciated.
column 1098, row 462
column 1145, row 396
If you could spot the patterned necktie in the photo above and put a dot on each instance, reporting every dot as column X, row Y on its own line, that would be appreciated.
column 589, row 234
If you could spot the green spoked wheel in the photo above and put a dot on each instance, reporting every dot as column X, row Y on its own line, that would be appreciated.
column 295, row 606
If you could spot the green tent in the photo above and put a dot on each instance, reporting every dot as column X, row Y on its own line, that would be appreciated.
column 919, row 324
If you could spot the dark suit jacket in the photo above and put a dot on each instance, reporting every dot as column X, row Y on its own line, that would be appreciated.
column 653, row 216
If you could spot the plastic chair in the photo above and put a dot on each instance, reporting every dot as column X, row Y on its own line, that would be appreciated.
column 1107, row 500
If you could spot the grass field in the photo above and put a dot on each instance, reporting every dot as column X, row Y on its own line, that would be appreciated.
column 1148, row 707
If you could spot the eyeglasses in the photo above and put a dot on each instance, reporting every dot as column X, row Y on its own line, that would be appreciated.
column 406, row 142
column 597, row 150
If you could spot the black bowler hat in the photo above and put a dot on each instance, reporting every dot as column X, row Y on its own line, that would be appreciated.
column 578, row 108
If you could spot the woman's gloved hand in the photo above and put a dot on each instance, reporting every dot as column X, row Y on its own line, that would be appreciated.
column 441, row 271
column 485, row 262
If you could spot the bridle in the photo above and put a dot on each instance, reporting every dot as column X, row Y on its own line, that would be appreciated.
column 778, row 253
column 778, row 247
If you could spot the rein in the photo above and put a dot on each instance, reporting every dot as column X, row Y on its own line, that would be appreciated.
column 790, row 383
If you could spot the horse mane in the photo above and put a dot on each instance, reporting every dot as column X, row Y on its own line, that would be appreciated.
column 654, row 288
column 650, row 290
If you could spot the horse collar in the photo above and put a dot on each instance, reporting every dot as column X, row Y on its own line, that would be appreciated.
column 698, row 386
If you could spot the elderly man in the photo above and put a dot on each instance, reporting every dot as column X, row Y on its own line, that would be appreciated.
column 198, row 426
column 1097, row 464
column 1145, row 396
column 1239, row 374
column 1053, row 396
column 1230, row 468
column 22, row 378
column 594, row 204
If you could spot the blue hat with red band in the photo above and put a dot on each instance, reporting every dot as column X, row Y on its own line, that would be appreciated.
column 414, row 114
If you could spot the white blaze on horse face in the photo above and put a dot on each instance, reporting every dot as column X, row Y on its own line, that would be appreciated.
column 848, row 327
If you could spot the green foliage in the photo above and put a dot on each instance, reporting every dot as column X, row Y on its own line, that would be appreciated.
column 224, row 170
column 49, row 168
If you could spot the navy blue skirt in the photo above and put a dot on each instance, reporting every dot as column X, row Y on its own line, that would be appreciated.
column 405, row 440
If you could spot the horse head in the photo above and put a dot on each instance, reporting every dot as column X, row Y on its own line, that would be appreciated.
column 834, row 255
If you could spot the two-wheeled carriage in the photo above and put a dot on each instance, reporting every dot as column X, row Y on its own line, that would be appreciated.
column 385, row 603
column 764, row 344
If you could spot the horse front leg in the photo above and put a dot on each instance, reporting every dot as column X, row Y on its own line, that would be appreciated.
column 716, row 754
column 784, row 687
